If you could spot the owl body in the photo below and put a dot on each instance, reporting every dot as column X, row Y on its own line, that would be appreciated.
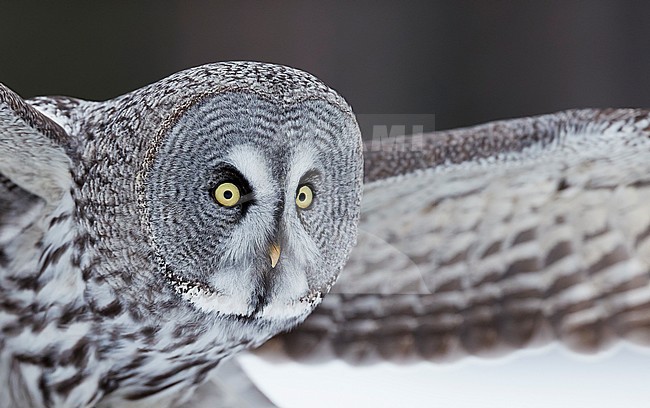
column 124, row 279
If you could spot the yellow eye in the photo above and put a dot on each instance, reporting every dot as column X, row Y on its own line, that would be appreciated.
column 227, row 194
column 304, row 197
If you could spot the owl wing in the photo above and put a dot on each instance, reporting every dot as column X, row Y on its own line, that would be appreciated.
column 493, row 238
column 34, row 166
column 228, row 387
column 33, row 148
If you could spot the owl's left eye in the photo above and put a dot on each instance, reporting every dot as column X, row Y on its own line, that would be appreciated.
column 304, row 196
column 227, row 194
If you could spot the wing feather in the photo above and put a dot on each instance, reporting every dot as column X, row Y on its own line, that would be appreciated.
column 33, row 148
column 494, row 238
column 35, row 175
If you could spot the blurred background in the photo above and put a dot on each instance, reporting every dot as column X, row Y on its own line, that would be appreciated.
column 464, row 61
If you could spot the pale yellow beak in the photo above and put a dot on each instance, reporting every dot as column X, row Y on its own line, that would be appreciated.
column 274, row 254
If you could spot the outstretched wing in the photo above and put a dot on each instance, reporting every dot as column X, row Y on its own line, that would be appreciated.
column 33, row 148
column 34, row 171
column 496, row 237
column 228, row 387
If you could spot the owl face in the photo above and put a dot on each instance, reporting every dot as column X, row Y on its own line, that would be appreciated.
column 254, row 203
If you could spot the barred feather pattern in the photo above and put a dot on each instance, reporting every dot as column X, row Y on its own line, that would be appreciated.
column 67, row 338
column 495, row 238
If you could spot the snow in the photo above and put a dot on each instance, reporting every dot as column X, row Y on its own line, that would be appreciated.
column 544, row 377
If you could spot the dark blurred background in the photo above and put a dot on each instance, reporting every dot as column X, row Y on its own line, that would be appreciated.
column 464, row 61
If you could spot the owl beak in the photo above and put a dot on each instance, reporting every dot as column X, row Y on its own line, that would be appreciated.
column 274, row 254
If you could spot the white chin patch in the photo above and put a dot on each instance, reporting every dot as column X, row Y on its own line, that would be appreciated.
column 282, row 311
column 211, row 302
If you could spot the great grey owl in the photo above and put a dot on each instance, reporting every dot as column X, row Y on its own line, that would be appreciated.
column 145, row 239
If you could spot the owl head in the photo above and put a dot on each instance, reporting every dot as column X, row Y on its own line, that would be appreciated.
column 251, row 191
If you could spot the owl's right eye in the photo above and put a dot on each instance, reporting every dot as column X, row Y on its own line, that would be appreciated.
column 227, row 194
